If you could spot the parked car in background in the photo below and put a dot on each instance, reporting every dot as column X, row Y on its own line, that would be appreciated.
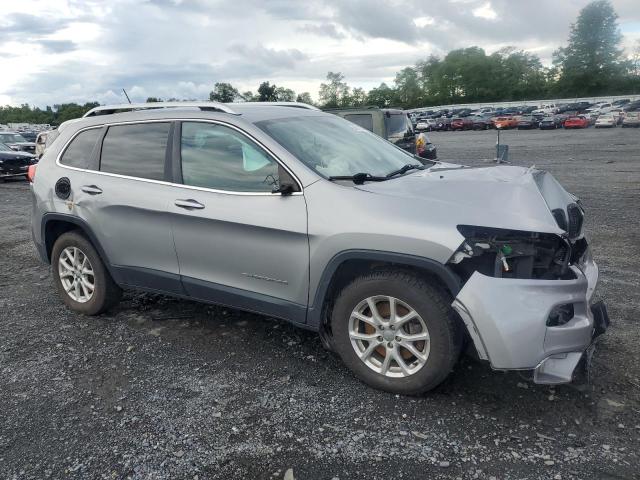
column 549, row 123
column 481, row 123
column 17, row 142
column 632, row 107
column 505, row 122
column 391, row 124
column 631, row 119
column 578, row 121
column 545, row 109
column 527, row 122
column 459, row 123
column 41, row 141
column 606, row 121
column 426, row 125
column 29, row 135
column 618, row 113
column 14, row 163
column 621, row 102
column 443, row 124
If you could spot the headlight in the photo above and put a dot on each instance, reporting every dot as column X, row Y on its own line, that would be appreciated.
column 506, row 253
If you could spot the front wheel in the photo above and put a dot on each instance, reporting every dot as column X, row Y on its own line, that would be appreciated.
column 396, row 332
column 81, row 277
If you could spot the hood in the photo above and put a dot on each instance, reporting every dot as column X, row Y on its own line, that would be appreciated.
column 508, row 197
column 16, row 155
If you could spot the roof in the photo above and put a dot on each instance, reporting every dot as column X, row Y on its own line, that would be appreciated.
column 203, row 106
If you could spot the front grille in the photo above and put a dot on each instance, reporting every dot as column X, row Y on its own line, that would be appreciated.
column 575, row 220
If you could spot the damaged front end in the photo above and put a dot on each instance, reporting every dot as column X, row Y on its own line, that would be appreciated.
column 526, row 297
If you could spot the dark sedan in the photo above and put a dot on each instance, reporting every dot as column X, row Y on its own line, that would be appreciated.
column 549, row 123
column 15, row 164
column 527, row 122
column 15, row 141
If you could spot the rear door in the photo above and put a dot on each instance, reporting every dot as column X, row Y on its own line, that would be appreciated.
column 238, row 243
column 124, row 199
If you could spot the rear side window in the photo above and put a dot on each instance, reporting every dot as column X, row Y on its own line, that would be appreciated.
column 136, row 150
column 365, row 120
column 78, row 153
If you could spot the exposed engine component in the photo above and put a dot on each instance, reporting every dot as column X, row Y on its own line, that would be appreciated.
column 513, row 254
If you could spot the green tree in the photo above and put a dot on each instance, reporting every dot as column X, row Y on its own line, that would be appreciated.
column 223, row 92
column 304, row 97
column 334, row 93
column 285, row 94
column 267, row 92
column 407, row 88
column 248, row 96
column 381, row 96
column 153, row 99
column 591, row 62
column 358, row 97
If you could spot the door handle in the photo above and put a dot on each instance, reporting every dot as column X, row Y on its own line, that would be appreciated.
column 189, row 204
column 91, row 189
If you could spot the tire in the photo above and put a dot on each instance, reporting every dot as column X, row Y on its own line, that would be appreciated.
column 105, row 292
column 434, row 312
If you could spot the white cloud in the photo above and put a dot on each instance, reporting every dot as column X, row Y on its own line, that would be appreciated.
column 485, row 11
column 83, row 50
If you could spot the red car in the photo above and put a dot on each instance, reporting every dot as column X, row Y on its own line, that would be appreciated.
column 461, row 124
column 578, row 121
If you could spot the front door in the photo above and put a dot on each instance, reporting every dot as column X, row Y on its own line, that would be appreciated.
column 238, row 243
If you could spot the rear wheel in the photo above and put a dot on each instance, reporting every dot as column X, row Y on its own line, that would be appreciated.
column 396, row 332
column 80, row 276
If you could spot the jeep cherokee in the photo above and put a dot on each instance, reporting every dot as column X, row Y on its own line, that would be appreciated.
column 302, row 215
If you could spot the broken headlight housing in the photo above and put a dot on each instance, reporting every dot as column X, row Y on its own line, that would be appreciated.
column 504, row 253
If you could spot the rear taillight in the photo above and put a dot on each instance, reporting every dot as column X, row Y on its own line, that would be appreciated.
column 31, row 173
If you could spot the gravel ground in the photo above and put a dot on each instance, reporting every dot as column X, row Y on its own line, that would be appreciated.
column 164, row 388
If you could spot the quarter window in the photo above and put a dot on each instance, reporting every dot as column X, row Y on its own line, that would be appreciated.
column 79, row 152
column 362, row 119
column 220, row 158
column 136, row 150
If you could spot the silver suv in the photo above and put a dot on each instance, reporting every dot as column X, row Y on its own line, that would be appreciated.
column 398, row 263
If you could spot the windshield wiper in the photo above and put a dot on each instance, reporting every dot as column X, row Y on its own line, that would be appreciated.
column 405, row 169
column 359, row 178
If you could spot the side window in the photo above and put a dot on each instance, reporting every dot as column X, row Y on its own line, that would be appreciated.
column 218, row 157
column 136, row 150
column 78, row 153
column 365, row 120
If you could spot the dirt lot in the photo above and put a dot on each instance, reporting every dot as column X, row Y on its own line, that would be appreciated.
column 162, row 388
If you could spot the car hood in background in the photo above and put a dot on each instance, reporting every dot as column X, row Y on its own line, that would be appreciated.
column 509, row 197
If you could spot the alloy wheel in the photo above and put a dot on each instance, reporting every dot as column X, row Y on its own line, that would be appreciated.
column 389, row 336
column 76, row 274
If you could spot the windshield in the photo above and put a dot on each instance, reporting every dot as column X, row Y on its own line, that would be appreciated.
column 4, row 148
column 397, row 125
column 334, row 147
column 11, row 138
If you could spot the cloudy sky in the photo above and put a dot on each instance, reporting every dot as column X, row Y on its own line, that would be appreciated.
column 54, row 51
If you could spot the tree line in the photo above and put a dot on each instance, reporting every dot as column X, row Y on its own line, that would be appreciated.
column 591, row 64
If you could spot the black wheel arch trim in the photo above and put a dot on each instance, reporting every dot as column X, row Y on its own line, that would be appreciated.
column 441, row 271
column 86, row 229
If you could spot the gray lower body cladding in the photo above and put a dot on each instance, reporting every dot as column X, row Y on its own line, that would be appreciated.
column 508, row 321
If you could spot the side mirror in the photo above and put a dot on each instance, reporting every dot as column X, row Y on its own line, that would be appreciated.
column 284, row 189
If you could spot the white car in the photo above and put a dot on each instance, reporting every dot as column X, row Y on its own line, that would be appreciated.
column 607, row 120
column 546, row 109
column 427, row 124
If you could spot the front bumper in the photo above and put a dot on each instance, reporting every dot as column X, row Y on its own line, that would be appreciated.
column 14, row 172
column 507, row 321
